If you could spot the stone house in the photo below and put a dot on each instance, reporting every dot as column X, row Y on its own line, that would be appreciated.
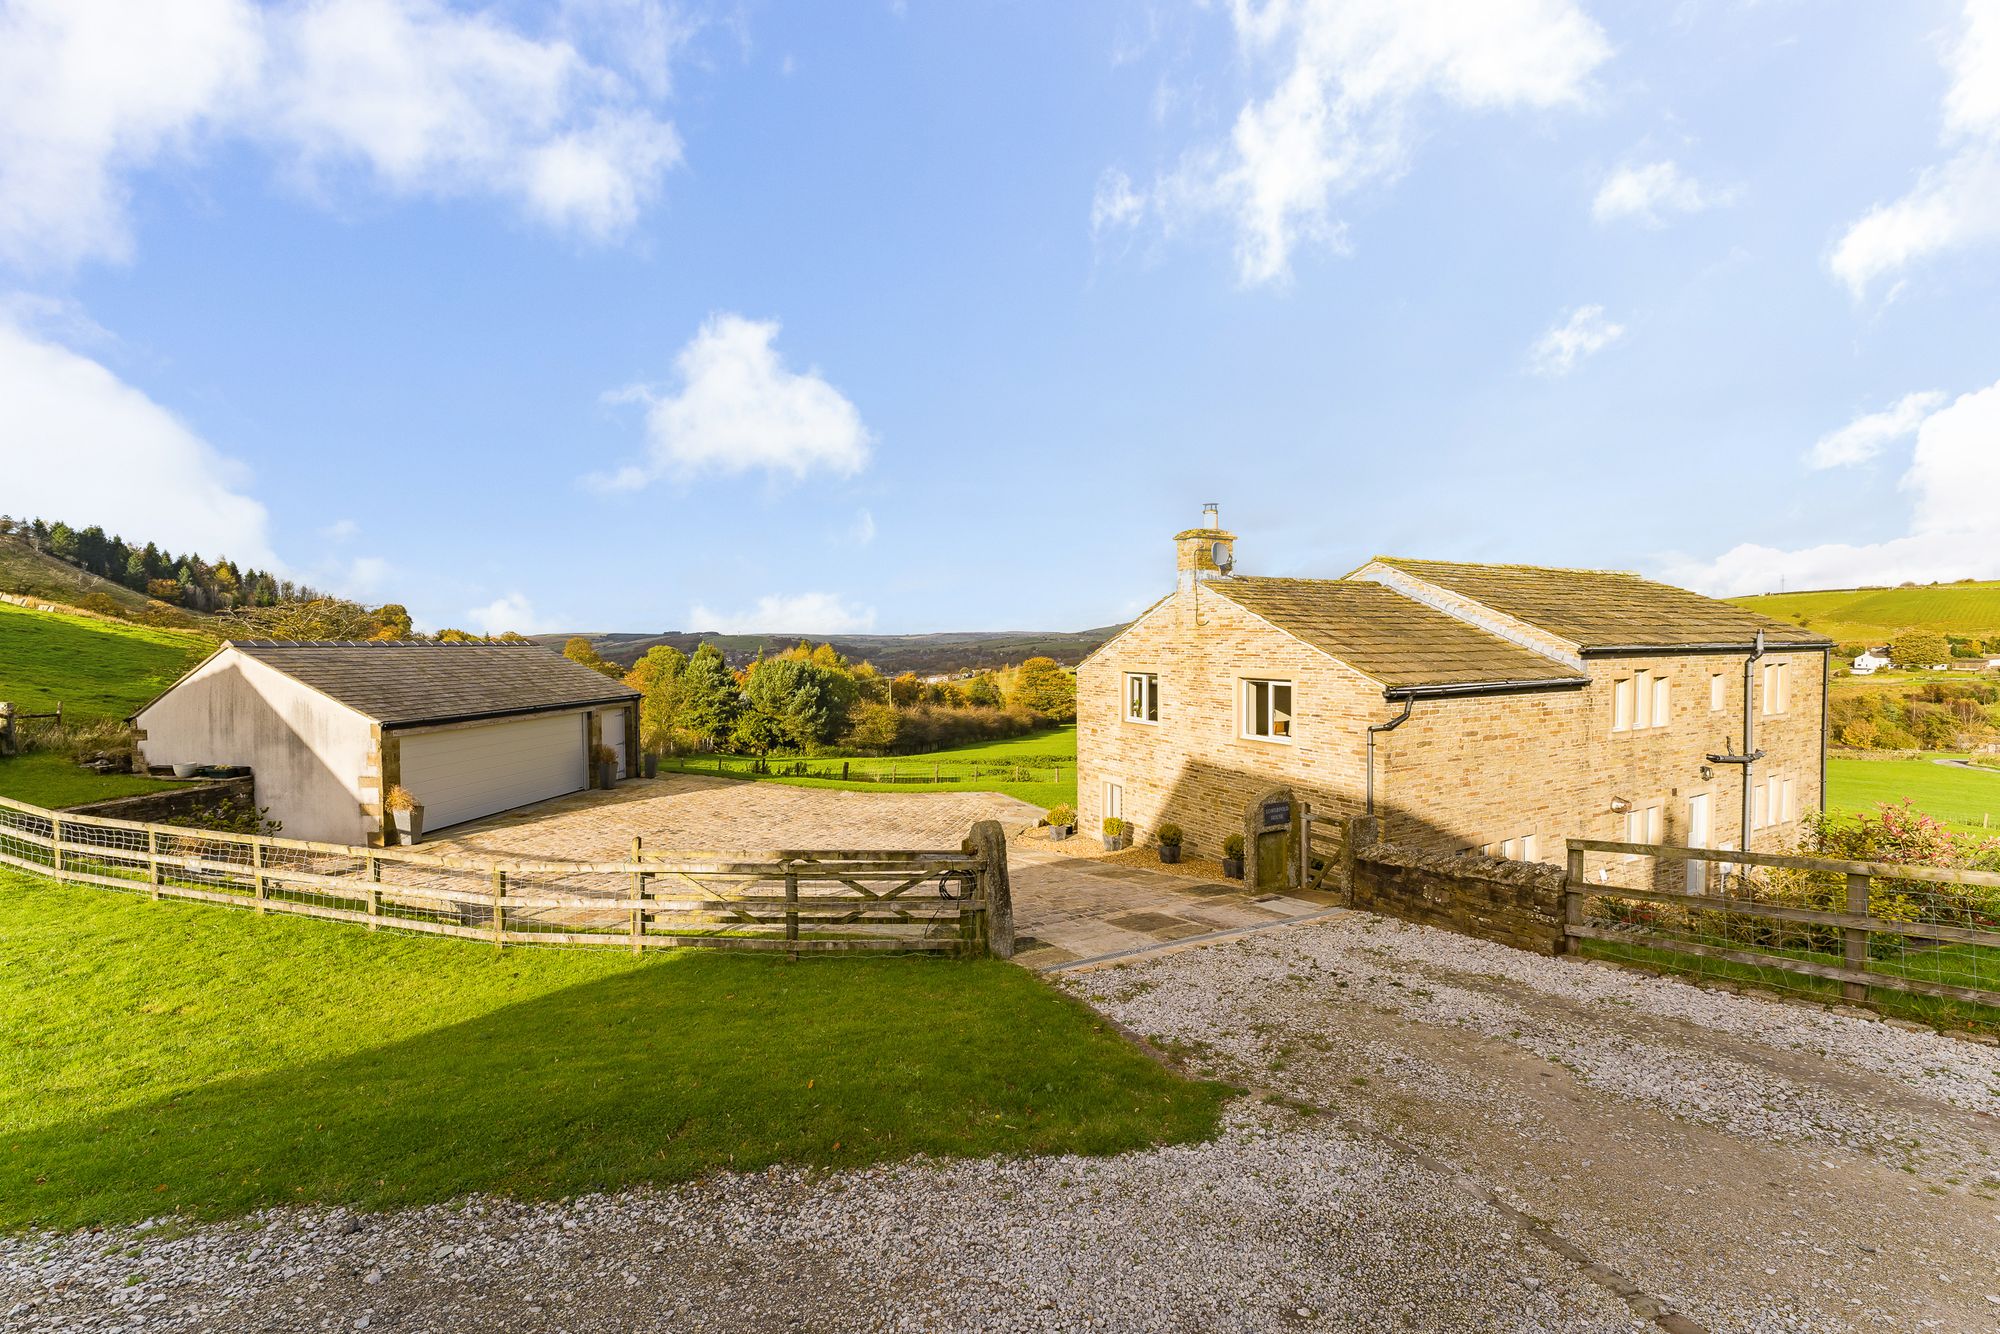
column 1492, row 708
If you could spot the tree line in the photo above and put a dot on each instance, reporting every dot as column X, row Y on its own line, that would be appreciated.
column 812, row 701
column 178, row 580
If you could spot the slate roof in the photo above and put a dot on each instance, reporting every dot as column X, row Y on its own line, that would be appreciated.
column 1601, row 609
column 1392, row 638
column 404, row 683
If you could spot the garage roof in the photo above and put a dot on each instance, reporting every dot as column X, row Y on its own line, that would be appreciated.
column 403, row 683
column 1394, row 639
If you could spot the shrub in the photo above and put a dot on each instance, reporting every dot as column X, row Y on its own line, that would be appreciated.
column 1114, row 827
column 230, row 816
column 1233, row 846
column 1062, row 816
column 603, row 755
column 1168, row 834
column 400, row 798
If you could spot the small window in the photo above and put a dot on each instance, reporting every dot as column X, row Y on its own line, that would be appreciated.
column 1788, row 806
column 1142, row 697
column 1760, row 814
column 1642, row 700
column 1621, row 706
column 1530, row 848
column 1718, row 692
column 1777, row 687
column 1114, row 801
column 1267, row 710
column 1661, row 705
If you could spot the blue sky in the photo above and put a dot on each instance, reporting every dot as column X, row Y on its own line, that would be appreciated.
column 616, row 314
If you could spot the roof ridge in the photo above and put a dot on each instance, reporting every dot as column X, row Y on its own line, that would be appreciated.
column 1511, row 565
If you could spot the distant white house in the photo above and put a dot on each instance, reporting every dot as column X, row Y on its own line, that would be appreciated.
column 1871, row 661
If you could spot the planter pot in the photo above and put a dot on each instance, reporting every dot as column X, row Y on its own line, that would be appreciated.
column 186, row 770
column 1233, row 867
column 1117, row 844
column 607, row 773
column 1170, row 853
column 409, row 826
column 652, row 766
column 1059, row 832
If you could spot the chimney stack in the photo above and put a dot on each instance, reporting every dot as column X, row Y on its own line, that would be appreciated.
column 1204, row 552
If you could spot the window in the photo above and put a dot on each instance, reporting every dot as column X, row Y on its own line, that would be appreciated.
column 1788, row 808
column 1718, row 692
column 1522, row 849
column 1775, row 801
column 1777, row 687
column 1142, row 697
column 1114, row 801
column 1640, row 701
column 1760, row 806
column 1642, row 825
column 1267, row 710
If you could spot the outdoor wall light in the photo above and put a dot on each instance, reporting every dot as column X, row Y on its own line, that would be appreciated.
column 1620, row 806
column 1706, row 773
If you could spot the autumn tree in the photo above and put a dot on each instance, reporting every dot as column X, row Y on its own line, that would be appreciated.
column 579, row 650
column 1919, row 648
column 1042, row 687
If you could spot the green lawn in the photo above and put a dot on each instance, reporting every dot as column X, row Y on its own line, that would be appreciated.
column 93, row 668
column 1959, row 797
column 44, row 778
column 183, row 1058
column 1039, row 769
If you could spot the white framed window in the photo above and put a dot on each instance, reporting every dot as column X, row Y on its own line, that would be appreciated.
column 1114, row 801
column 1718, row 692
column 1760, row 806
column 1788, row 805
column 1267, row 710
column 1777, row 687
column 1142, row 697
column 1642, row 825
column 1523, row 849
column 1640, row 701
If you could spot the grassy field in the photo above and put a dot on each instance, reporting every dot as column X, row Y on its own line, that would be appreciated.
column 1962, row 798
column 46, row 779
column 1876, row 615
column 94, row 668
column 1040, row 769
column 172, row 1058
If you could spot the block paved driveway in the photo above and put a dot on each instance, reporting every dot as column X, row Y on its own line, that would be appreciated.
column 1068, row 911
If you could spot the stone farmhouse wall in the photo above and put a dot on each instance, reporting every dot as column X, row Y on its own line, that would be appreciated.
column 1461, row 773
column 1509, row 902
column 173, row 803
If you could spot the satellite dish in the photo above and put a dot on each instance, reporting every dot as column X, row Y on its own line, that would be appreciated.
column 1219, row 553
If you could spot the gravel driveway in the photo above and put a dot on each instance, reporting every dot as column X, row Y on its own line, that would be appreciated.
column 1440, row 1135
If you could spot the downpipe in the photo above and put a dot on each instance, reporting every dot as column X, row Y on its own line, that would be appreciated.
column 1409, row 704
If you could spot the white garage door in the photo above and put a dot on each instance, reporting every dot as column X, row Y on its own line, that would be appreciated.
column 468, row 772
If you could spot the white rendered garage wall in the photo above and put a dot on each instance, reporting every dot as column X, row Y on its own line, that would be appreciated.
column 307, row 751
column 611, row 732
column 461, row 773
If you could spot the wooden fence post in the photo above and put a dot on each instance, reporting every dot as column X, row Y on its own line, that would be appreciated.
column 1572, row 896
column 55, row 845
column 374, row 891
column 638, row 897
column 257, row 870
column 1854, row 939
column 499, row 908
column 792, row 906
column 153, row 860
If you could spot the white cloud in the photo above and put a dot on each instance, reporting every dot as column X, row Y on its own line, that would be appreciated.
column 417, row 97
column 1346, row 79
column 340, row 530
column 1116, row 204
column 511, row 612
column 1645, row 192
column 80, row 445
column 1584, row 333
column 1865, row 437
column 738, row 408
column 799, row 613
column 1954, row 528
column 1956, row 202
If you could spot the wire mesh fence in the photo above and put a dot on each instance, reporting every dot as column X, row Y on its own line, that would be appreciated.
column 796, row 902
column 1916, row 940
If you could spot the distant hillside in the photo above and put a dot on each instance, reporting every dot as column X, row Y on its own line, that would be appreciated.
column 38, row 574
column 93, row 667
column 1968, row 609
column 949, row 651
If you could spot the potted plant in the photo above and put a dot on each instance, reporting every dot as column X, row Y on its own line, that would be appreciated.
column 1168, row 836
column 652, row 764
column 1232, row 856
column 606, row 760
column 1116, row 833
column 1062, row 822
column 406, row 815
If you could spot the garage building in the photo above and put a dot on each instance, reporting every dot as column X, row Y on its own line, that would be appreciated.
column 328, row 727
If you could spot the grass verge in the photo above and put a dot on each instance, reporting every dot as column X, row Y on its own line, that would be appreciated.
column 44, row 778
column 1960, row 797
column 172, row 1058
column 1039, row 769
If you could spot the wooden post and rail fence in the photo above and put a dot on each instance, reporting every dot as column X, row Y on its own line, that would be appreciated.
column 947, row 901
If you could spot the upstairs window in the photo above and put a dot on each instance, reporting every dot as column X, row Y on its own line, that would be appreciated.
column 1777, row 687
column 1267, row 710
column 1718, row 692
column 1642, row 700
column 1142, row 697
